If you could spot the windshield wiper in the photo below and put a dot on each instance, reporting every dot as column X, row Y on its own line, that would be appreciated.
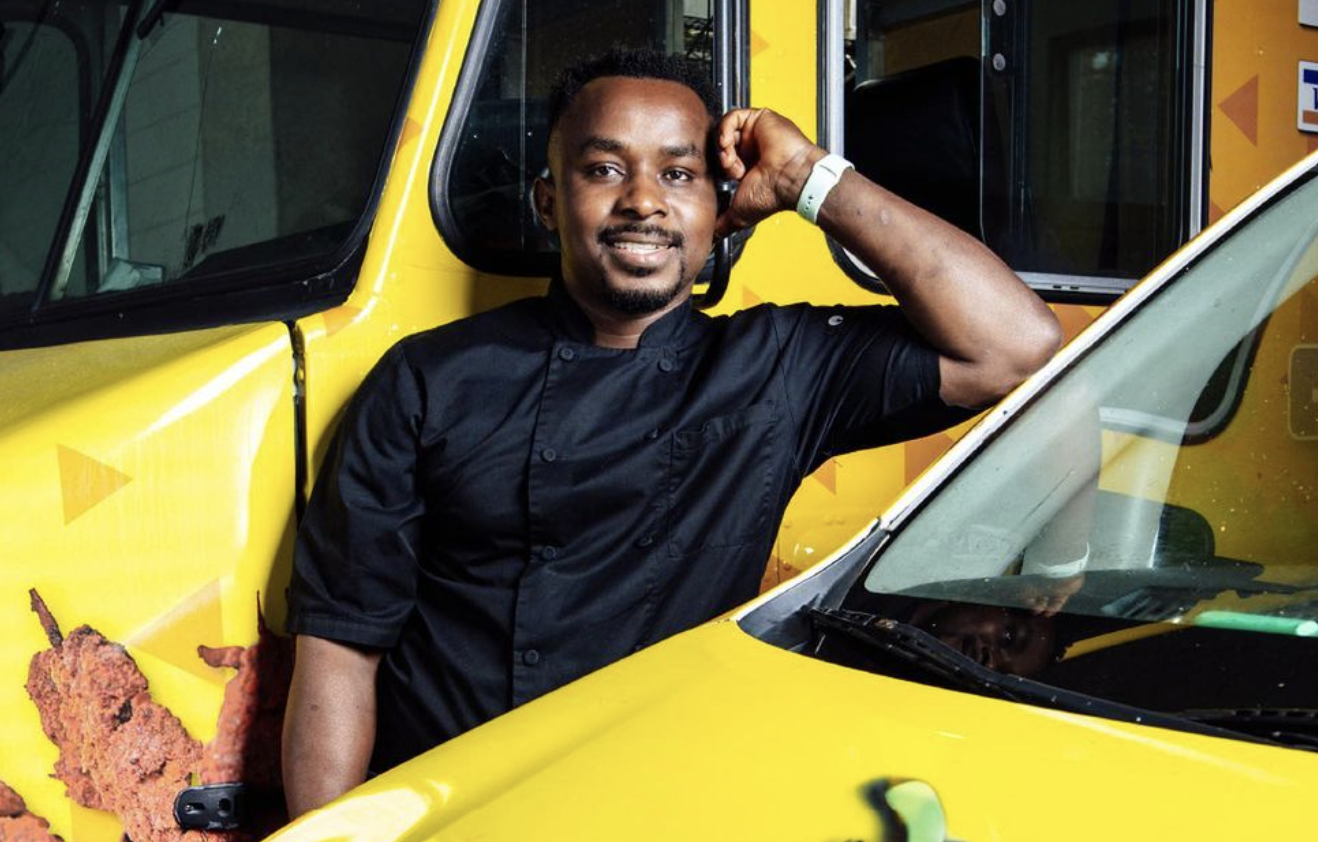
column 934, row 657
column 1295, row 727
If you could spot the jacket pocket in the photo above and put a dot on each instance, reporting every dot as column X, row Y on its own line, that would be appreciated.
column 720, row 481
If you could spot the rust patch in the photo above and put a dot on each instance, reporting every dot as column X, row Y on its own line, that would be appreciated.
column 122, row 752
column 246, row 744
column 19, row 825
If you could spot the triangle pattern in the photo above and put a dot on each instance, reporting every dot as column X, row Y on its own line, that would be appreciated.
column 85, row 482
column 411, row 130
column 1215, row 212
column 339, row 318
column 174, row 636
column 758, row 44
column 1073, row 319
column 749, row 298
column 826, row 474
column 1242, row 108
column 921, row 453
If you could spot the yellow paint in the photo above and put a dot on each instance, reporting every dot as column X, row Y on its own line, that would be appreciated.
column 715, row 735
column 149, row 492
column 1256, row 43
column 203, row 423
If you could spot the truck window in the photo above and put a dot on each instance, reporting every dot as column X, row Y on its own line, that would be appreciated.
column 245, row 150
column 494, row 147
column 1062, row 135
column 52, row 60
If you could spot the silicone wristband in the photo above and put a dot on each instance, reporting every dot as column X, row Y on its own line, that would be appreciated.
column 824, row 176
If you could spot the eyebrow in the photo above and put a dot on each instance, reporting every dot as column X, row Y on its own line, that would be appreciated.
column 608, row 144
column 601, row 144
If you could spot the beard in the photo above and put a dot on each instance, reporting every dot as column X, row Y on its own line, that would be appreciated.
column 642, row 301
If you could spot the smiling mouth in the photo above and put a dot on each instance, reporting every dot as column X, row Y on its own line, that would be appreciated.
column 638, row 248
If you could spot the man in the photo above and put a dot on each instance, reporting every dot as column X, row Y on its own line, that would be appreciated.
column 526, row 495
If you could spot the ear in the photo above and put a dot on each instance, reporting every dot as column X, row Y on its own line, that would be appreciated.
column 542, row 192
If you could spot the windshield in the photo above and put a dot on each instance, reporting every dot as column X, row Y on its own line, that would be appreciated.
column 1147, row 530
column 53, row 60
column 150, row 145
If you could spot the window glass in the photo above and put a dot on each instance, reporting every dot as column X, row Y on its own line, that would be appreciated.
column 500, row 148
column 1090, row 499
column 52, row 60
column 1091, row 109
column 245, row 141
column 1057, row 133
column 911, row 119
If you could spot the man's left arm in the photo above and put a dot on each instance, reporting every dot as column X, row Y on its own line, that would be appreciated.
column 989, row 329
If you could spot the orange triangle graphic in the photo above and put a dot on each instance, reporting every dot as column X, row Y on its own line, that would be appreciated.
column 1073, row 319
column 757, row 43
column 1215, row 212
column 921, row 453
column 749, row 298
column 84, row 482
column 1242, row 108
column 173, row 637
column 411, row 129
column 339, row 318
column 827, row 475
column 1313, row 142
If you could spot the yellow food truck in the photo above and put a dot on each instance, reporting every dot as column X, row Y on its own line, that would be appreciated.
column 216, row 215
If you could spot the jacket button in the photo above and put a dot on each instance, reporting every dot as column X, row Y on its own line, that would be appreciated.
column 666, row 364
column 653, row 434
column 530, row 657
column 549, row 454
column 549, row 553
column 645, row 540
column 567, row 354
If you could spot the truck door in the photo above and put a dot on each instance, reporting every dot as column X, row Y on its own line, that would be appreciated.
column 179, row 182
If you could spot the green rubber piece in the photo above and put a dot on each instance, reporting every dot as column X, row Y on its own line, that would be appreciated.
column 1240, row 621
column 916, row 803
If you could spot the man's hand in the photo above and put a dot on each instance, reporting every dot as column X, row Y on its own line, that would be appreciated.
column 771, row 158
column 329, row 726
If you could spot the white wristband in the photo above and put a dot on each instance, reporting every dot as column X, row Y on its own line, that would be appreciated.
column 824, row 176
column 1066, row 569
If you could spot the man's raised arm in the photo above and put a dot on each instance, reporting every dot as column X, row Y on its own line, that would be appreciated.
column 990, row 330
column 329, row 725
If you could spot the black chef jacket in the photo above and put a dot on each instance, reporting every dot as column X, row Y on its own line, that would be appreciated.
column 507, row 507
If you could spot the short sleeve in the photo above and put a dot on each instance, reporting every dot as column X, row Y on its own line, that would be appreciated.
column 859, row 377
column 355, row 560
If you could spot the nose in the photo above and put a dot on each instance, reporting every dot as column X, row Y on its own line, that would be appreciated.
column 642, row 198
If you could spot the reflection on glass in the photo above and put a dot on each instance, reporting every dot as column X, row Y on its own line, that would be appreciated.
column 51, row 68
column 502, row 145
column 1105, row 542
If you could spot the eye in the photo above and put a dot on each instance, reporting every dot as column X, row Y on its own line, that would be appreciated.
column 678, row 175
column 602, row 170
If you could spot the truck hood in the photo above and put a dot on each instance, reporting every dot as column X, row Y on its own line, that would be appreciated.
column 716, row 735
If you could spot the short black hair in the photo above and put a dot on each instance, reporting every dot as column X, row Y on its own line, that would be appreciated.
column 636, row 64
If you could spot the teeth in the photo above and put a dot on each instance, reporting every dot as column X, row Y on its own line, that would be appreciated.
column 639, row 248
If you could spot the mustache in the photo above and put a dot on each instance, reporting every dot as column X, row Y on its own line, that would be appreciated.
column 670, row 238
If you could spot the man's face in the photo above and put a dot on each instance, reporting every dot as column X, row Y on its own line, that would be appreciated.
column 632, row 196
